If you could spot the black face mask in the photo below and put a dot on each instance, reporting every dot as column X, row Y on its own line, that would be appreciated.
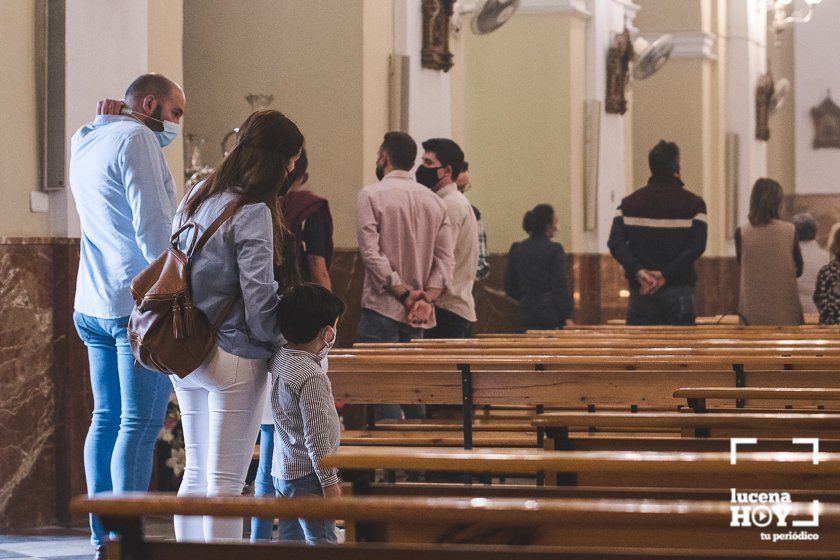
column 380, row 173
column 427, row 176
column 287, row 184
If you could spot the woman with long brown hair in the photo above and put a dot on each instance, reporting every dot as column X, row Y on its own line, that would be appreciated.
column 770, row 259
column 233, row 283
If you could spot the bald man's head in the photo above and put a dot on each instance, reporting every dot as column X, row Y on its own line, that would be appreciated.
column 156, row 96
column 150, row 84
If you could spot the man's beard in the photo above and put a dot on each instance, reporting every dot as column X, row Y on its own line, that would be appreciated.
column 156, row 114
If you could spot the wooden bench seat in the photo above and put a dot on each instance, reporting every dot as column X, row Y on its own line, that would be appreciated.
column 788, row 470
column 481, row 423
column 505, row 490
column 567, row 382
column 815, row 397
column 755, row 422
column 157, row 550
column 419, row 438
column 663, row 524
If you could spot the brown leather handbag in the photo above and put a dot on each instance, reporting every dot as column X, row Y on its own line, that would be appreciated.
column 167, row 333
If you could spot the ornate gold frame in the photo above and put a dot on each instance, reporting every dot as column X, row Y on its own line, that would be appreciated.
column 436, row 17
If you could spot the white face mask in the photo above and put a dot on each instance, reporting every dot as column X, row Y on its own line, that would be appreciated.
column 322, row 353
column 164, row 137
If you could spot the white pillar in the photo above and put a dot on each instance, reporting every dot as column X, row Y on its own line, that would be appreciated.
column 107, row 46
column 429, row 91
column 746, row 62
column 609, row 17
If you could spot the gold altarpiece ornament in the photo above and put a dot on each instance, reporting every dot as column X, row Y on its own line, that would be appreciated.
column 436, row 17
column 618, row 73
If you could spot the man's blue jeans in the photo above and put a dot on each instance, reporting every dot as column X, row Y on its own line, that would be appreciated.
column 313, row 531
column 261, row 528
column 129, row 404
column 375, row 327
column 670, row 305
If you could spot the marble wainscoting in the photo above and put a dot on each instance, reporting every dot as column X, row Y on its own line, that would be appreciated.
column 44, row 389
column 598, row 280
column 825, row 208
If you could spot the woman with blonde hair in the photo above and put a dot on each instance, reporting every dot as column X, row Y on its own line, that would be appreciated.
column 770, row 259
column 827, row 292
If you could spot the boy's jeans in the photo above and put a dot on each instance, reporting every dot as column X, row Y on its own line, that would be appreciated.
column 313, row 531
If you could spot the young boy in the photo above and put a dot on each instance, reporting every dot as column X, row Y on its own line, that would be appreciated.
column 306, row 424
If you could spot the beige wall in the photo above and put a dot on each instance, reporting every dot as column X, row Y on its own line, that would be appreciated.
column 781, row 150
column 378, row 44
column 165, row 36
column 669, row 106
column 672, row 15
column 20, row 119
column 683, row 103
column 329, row 74
column 523, row 104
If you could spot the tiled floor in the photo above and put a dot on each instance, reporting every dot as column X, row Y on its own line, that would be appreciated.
column 60, row 545
column 63, row 543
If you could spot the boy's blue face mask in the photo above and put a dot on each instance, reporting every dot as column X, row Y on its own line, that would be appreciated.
column 164, row 137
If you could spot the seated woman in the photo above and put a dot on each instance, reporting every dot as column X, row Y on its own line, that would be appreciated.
column 536, row 274
column 770, row 260
column 827, row 292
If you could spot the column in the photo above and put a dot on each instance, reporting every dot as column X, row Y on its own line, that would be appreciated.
column 108, row 45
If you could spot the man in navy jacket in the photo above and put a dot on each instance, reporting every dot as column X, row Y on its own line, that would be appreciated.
column 657, row 234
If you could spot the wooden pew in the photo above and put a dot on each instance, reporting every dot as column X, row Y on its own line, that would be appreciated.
column 790, row 471
column 701, row 432
column 553, row 524
column 624, row 342
column 816, row 397
column 546, row 380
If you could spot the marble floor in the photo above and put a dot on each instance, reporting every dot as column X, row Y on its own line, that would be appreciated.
column 73, row 543
column 64, row 543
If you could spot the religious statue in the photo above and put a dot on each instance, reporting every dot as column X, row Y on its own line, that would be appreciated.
column 764, row 91
column 826, row 118
column 436, row 17
column 618, row 73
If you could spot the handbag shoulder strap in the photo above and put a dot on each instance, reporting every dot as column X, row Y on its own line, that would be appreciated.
column 186, row 202
column 227, row 214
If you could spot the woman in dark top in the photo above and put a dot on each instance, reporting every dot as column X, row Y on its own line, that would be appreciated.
column 536, row 274
column 308, row 217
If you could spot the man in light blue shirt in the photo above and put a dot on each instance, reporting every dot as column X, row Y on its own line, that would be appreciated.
column 125, row 197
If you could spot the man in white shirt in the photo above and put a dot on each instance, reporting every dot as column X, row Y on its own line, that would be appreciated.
column 814, row 257
column 455, row 309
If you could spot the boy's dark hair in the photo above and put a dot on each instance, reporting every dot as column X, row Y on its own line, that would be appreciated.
column 301, row 165
column 401, row 149
column 664, row 158
column 306, row 309
column 448, row 153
